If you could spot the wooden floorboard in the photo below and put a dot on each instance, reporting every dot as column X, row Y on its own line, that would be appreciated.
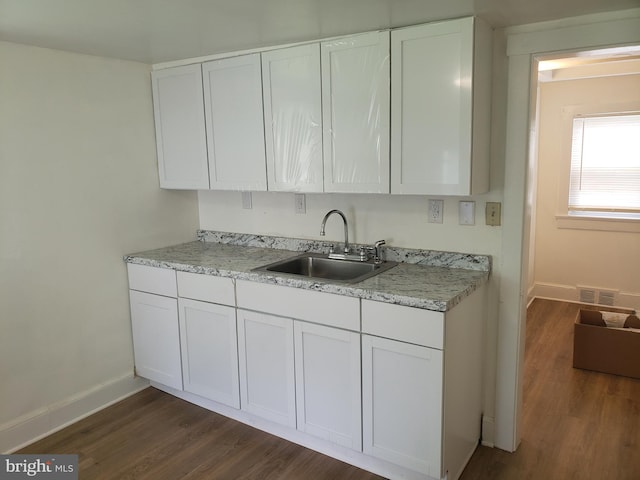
column 576, row 425
column 155, row 436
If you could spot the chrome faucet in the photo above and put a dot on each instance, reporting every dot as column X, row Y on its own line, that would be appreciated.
column 377, row 252
column 346, row 228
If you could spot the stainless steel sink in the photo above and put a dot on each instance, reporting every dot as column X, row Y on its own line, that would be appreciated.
column 319, row 266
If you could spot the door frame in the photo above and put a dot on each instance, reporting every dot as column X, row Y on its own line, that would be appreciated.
column 524, row 44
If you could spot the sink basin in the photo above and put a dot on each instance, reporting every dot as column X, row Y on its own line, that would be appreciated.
column 319, row 266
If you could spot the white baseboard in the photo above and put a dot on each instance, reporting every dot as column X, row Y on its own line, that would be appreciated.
column 45, row 421
column 488, row 427
column 570, row 293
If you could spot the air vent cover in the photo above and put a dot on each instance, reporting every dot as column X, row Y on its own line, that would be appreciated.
column 587, row 295
column 607, row 297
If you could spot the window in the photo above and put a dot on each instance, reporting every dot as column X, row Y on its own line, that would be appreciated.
column 604, row 179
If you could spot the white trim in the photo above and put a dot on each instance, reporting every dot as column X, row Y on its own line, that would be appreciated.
column 43, row 422
column 598, row 223
column 570, row 293
column 488, row 427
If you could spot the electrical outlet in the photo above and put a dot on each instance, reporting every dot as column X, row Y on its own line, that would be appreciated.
column 467, row 213
column 246, row 200
column 492, row 213
column 436, row 210
column 300, row 203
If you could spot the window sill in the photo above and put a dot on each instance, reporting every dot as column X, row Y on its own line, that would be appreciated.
column 607, row 224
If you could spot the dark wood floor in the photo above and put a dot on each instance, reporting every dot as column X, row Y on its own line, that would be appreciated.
column 155, row 436
column 576, row 425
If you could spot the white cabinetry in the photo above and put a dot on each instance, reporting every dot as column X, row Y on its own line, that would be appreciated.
column 209, row 354
column 328, row 389
column 180, row 128
column 235, row 129
column 402, row 403
column 293, row 118
column 154, row 323
column 318, row 117
column 267, row 380
column 421, row 388
column 390, row 388
column 355, row 103
column 208, row 337
column 440, row 109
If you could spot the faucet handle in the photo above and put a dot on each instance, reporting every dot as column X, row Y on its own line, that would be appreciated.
column 377, row 251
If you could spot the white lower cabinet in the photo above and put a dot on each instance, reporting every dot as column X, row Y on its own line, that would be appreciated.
column 267, row 379
column 328, row 392
column 402, row 403
column 209, row 342
column 393, row 389
column 156, row 339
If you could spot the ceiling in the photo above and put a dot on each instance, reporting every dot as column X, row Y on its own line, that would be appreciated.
column 156, row 31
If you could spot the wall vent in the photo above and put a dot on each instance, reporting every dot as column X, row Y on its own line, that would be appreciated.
column 597, row 296
column 607, row 297
column 587, row 295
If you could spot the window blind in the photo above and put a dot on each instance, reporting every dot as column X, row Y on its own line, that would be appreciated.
column 605, row 165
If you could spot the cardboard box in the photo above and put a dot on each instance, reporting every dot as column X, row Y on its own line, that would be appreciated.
column 605, row 349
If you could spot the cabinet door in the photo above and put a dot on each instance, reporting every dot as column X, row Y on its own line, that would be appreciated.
column 180, row 130
column 355, row 109
column 402, row 404
column 235, row 128
column 267, row 381
column 156, row 339
column 209, row 351
column 328, row 390
column 431, row 81
column 293, row 118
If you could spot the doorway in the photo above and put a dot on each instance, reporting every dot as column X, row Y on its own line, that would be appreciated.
column 523, row 45
column 579, row 255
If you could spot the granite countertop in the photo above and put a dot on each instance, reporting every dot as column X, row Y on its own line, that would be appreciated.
column 425, row 279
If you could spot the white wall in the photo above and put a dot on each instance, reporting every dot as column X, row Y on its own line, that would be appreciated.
column 78, row 190
column 401, row 220
column 565, row 257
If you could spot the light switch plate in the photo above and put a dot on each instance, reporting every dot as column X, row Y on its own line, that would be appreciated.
column 467, row 213
column 492, row 213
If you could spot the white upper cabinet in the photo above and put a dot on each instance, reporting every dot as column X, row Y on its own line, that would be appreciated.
column 293, row 118
column 440, row 110
column 355, row 104
column 401, row 112
column 235, row 129
column 180, row 128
